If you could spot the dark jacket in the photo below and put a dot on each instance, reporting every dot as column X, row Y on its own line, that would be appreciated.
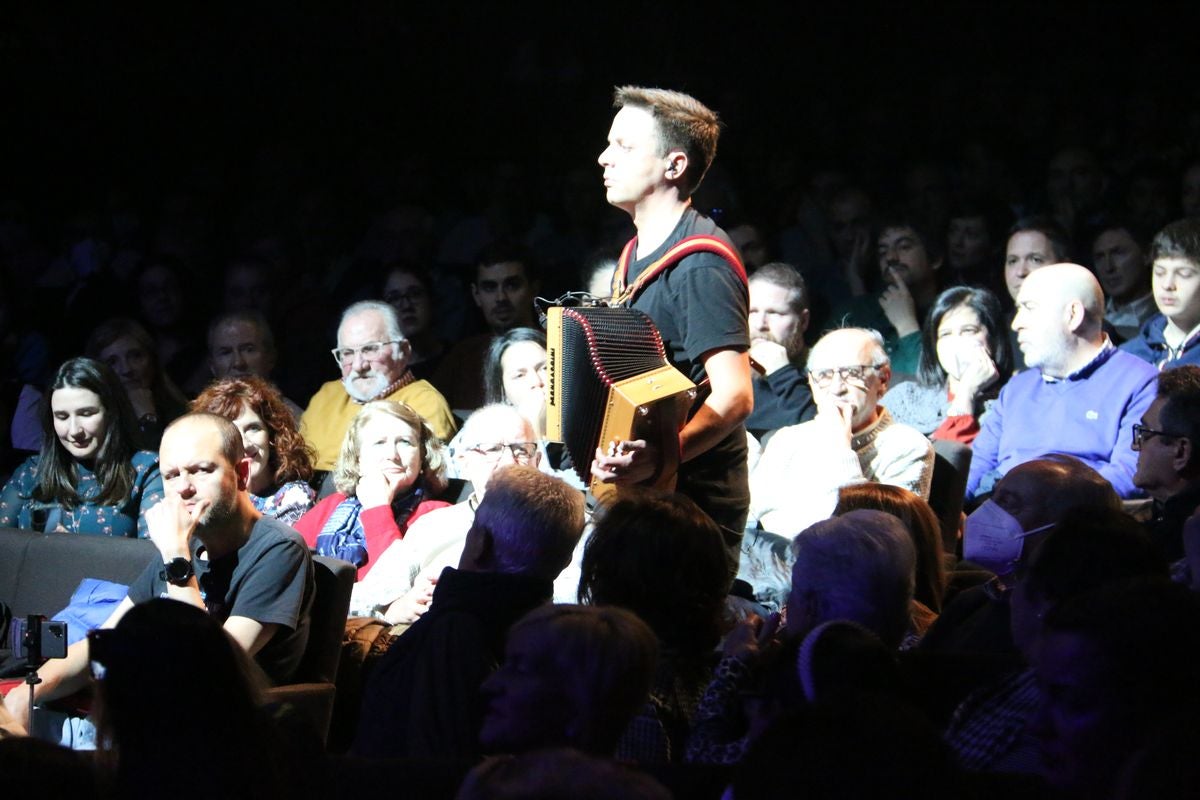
column 1150, row 346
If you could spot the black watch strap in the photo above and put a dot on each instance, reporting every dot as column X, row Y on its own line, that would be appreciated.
column 177, row 571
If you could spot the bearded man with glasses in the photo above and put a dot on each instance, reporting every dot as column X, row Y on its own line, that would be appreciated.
column 372, row 354
column 852, row 439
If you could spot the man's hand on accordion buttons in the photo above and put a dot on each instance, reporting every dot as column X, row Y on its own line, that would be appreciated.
column 626, row 462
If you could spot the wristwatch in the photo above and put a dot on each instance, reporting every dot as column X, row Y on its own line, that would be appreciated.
column 177, row 571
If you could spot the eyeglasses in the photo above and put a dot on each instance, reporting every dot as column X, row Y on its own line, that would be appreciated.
column 371, row 351
column 412, row 296
column 856, row 373
column 522, row 452
column 1142, row 434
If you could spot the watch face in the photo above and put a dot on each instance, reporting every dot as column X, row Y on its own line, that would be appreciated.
column 177, row 570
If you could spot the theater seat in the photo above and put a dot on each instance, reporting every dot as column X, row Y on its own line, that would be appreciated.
column 952, row 462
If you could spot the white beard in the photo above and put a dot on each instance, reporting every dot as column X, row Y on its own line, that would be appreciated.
column 365, row 392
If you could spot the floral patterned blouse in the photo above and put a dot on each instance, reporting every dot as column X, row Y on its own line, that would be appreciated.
column 18, row 508
column 288, row 503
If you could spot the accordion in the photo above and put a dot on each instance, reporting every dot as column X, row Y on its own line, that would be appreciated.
column 610, row 380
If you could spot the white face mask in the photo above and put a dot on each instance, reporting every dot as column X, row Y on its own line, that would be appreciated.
column 993, row 538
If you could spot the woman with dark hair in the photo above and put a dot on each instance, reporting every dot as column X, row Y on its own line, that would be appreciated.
column 622, row 566
column 89, row 476
column 173, row 689
column 280, row 461
column 514, row 373
column 965, row 360
column 390, row 466
column 409, row 289
column 126, row 347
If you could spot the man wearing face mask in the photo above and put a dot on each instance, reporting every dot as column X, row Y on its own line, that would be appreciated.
column 1000, row 536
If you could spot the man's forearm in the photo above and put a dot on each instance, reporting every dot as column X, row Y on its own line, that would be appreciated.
column 706, row 429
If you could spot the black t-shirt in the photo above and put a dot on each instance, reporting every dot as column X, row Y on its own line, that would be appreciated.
column 700, row 305
column 269, row 579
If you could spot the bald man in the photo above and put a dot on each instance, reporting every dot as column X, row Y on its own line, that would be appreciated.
column 1080, row 396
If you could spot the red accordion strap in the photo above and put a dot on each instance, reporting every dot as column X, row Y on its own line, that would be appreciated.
column 623, row 294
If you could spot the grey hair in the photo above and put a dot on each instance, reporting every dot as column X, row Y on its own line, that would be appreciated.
column 860, row 566
column 535, row 521
column 879, row 355
column 390, row 320
column 476, row 429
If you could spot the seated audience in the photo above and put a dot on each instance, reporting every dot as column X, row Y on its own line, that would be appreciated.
column 165, row 654
column 778, row 319
column 409, row 289
column 241, row 345
column 89, row 476
column 423, row 697
column 1120, row 261
column 1000, row 536
column 126, row 347
column 401, row 583
column 1086, row 549
column 215, row 552
column 1172, row 336
column 634, row 538
column 852, row 439
column 572, row 676
column 925, row 532
column 1114, row 667
column 280, row 461
column 909, row 259
column 373, row 356
column 1167, row 441
column 972, row 243
column 965, row 361
column 390, row 467
column 1033, row 243
column 1080, row 396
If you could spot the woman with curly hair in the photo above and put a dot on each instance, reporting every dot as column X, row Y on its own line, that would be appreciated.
column 280, row 461
column 390, row 465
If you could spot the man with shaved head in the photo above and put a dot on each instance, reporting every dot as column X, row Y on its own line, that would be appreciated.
column 1080, row 396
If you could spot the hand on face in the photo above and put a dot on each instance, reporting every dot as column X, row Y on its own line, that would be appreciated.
column 171, row 523
column 380, row 488
column 835, row 421
column 898, row 304
column 770, row 355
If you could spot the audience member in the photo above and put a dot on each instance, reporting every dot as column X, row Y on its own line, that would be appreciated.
column 164, row 312
column 400, row 585
column 1081, row 395
column 373, row 355
column 216, row 552
column 280, row 461
column 1000, row 536
column 1167, row 441
column 573, row 676
column 965, row 361
column 972, row 244
column 1120, row 261
column 1172, row 336
column 89, row 476
column 1033, row 242
column 241, row 345
column 848, row 373
column 778, row 320
column 623, row 560
column 390, row 468
column 514, row 372
column 422, row 699
column 503, row 289
column 126, row 347
column 409, row 289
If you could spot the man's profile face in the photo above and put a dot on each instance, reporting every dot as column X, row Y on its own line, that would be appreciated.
column 902, row 256
column 1022, row 493
column 1026, row 251
column 1155, row 473
column 504, row 295
column 238, row 350
column 195, row 470
column 860, row 396
column 1120, row 264
column 364, row 378
column 634, row 164
column 1043, row 333
column 774, row 319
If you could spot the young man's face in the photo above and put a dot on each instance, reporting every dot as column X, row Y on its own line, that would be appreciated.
column 774, row 319
column 634, row 166
column 1026, row 251
column 504, row 295
column 1120, row 265
column 902, row 256
column 1177, row 291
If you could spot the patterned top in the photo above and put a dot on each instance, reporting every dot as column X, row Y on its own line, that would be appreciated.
column 18, row 509
column 288, row 503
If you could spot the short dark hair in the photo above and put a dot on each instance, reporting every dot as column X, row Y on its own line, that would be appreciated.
column 55, row 474
column 785, row 276
column 987, row 307
column 1180, row 414
column 1059, row 241
column 902, row 218
column 506, row 252
column 1179, row 239
column 684, row 123
column 493, row 368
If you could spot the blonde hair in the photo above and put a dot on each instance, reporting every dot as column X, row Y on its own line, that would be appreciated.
column 346, row 473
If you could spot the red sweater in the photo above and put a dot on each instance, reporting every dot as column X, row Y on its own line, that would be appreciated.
column 379, row 526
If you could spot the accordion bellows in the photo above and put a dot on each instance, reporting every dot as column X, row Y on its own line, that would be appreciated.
column 610, row 381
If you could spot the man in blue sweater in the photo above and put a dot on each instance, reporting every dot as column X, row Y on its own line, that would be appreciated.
column 1080, row 396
